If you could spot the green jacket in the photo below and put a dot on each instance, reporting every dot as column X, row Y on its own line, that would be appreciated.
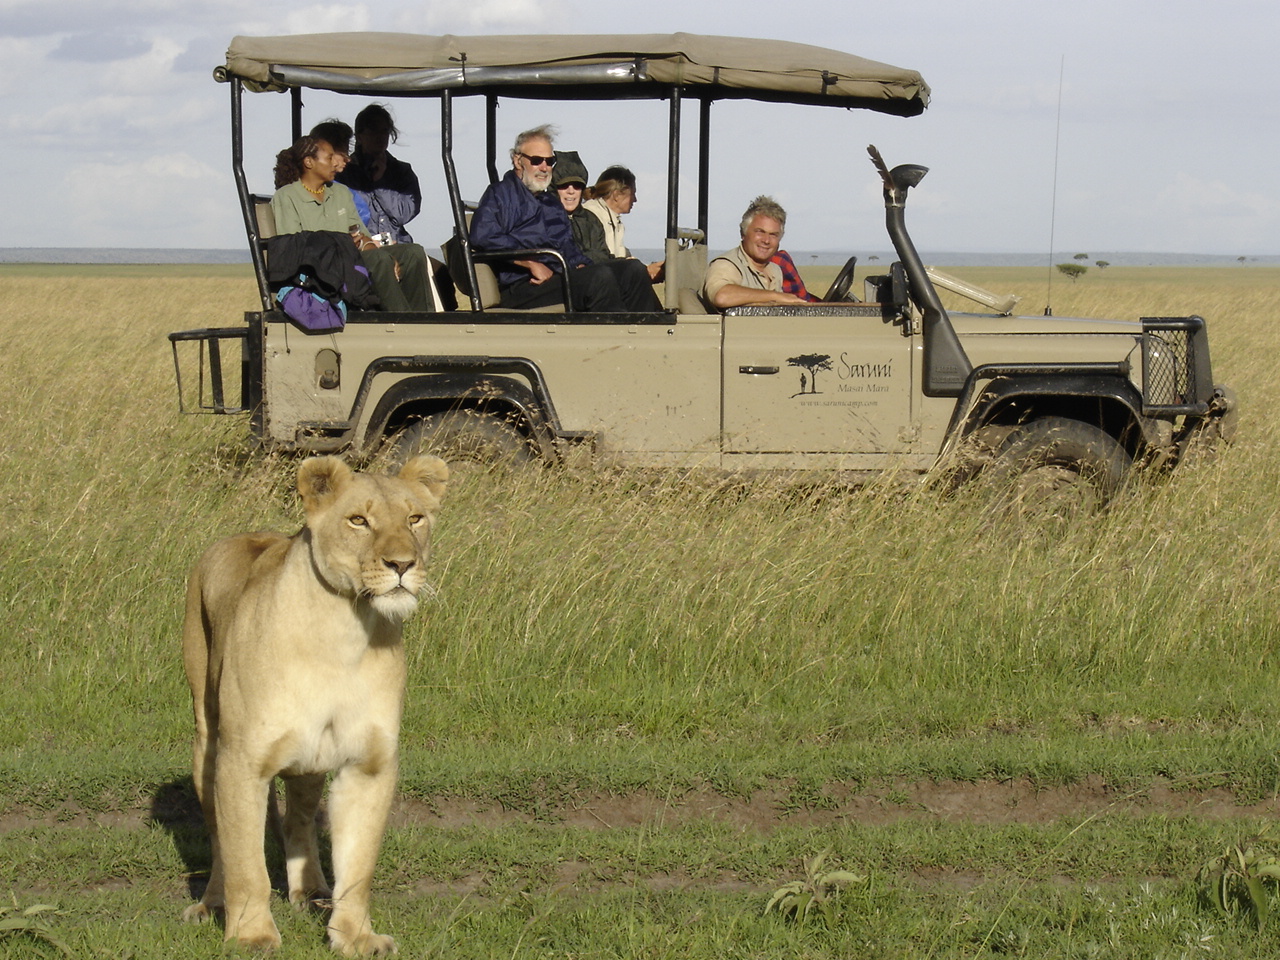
column 589, row 235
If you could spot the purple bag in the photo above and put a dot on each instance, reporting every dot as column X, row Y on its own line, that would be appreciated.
column 312, row 311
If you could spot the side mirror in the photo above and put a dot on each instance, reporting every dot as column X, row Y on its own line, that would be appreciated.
column 898, row 284
column 889, row 289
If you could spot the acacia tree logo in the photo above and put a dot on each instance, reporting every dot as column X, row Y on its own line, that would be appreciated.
column 813, row 362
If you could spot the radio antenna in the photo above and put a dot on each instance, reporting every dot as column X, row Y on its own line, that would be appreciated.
column 1053, row 203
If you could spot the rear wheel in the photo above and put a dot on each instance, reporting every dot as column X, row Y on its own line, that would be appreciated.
column 464, row 438
column 1061, row 468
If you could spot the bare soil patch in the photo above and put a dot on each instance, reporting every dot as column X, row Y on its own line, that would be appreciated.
column 982, row 802
column 979, row 802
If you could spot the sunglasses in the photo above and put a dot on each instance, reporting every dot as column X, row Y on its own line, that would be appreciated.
column 539, row 161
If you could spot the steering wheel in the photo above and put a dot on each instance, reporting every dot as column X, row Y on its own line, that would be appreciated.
column 843, row 281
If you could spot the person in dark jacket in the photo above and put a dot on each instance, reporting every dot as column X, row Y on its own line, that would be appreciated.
column 570, row 182
column 521, row 212
column 388, row 186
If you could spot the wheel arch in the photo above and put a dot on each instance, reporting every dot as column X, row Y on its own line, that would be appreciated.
column 427, row 393
column 1106, row 400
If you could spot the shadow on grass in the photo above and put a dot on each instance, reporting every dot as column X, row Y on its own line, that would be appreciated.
column 176, row 808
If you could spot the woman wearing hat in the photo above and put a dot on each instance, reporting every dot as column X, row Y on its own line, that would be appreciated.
column 570, row 182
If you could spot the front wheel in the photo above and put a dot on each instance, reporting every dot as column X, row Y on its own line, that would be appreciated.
column 463, row 438
column 1061, row 468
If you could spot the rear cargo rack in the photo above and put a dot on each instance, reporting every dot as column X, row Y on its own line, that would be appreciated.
column 211, row 391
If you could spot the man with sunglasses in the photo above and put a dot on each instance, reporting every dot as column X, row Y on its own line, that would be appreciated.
column 521, row 212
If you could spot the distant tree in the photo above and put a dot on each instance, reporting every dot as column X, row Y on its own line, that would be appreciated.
column 1081, row 256
column 1073, row 270
column 873, row 257
column 1102, row 264
column 1242, row 259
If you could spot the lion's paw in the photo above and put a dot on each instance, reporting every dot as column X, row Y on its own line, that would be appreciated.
column 263, row 941
column 197, row 913
column 320, row 898
column 364, row 945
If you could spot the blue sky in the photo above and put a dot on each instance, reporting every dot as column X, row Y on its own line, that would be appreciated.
column 1168, row 138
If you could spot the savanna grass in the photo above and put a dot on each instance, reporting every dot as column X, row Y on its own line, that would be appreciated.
column 618, row 632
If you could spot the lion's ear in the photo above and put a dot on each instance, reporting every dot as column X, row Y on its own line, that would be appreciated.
column 431, row 472
column 320, row 479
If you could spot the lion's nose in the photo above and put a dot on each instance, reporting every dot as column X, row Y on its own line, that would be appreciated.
column 399, row 566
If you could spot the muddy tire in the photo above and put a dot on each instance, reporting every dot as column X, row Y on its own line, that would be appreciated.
column 464, row 438
column 1060, row 468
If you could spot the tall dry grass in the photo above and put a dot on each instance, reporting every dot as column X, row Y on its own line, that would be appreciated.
column 616, row 626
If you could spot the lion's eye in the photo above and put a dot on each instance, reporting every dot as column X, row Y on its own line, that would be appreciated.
column 416, row 519
column 357, row 521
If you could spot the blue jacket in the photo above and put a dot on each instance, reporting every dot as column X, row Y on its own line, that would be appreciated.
column 511, row 217
column 391, row 202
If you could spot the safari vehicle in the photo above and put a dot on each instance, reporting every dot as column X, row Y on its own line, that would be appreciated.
column 877, row 379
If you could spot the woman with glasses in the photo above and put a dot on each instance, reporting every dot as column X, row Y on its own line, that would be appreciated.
column 570, row 182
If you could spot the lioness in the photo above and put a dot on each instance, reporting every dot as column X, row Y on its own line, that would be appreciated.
column 293, row 652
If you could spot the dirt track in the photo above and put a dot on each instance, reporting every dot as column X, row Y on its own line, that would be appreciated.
column 981, row 802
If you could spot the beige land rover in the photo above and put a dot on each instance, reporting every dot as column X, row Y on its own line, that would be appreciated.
column 874, row 379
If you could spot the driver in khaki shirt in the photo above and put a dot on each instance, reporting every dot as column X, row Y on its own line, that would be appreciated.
column 746, row 275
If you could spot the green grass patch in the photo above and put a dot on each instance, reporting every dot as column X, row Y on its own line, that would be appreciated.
column 1109, row 887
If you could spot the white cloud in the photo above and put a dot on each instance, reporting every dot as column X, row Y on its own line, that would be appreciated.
column 328, row 18
column 163, row 202
column 487, row 16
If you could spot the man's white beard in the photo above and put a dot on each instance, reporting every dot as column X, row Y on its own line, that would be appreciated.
column 529, row 179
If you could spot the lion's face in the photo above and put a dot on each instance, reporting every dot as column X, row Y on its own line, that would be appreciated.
column 370, row 535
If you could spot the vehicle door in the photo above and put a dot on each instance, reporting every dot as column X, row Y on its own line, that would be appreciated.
column 816, row 386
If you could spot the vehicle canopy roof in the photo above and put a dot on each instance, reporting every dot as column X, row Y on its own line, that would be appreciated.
column 574, row 67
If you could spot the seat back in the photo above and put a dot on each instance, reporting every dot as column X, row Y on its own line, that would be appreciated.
column 487, row 280
column 485, row 277
column 689, row 302
column 264, row 216
column 686, row 262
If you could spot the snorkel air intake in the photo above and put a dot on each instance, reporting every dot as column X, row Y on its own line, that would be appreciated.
column 946, row 365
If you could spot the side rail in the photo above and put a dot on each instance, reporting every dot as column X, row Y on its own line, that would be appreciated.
column 1177, row 378
column 206, row 391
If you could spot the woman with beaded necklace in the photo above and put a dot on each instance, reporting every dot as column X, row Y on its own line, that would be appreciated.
column 306, row 198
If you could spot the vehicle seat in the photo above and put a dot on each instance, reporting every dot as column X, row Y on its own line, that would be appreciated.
column 265, row 218
column 686, row 262
column 486, row 280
